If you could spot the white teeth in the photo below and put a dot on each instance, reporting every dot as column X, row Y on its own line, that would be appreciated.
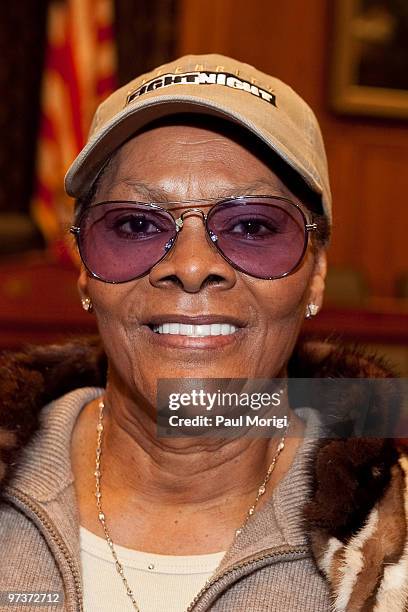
column 203, row 330
column 225, row 330
column 195, row 331
column 173, row 328
column 215, row 329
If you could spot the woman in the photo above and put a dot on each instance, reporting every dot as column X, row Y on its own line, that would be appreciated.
column 212, row 280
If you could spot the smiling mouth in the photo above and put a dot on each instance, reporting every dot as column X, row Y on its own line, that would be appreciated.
column 195, row 331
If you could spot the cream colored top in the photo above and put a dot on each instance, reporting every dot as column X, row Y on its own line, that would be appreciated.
column 160, row 583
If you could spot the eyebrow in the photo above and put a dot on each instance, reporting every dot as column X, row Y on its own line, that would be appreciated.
column 152, row 193
column 258, row 185
column 155, row 194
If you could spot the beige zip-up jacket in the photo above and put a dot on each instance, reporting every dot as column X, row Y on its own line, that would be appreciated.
column 269, row 568
column 333, row 536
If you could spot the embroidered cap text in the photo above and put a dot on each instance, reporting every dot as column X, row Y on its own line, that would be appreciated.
column 202, row 78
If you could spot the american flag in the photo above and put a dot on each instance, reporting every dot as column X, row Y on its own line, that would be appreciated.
column 79, row 71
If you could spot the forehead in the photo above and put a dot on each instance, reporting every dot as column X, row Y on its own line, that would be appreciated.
column 216, row 153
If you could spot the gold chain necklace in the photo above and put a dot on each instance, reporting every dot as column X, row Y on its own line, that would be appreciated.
column 102, row 516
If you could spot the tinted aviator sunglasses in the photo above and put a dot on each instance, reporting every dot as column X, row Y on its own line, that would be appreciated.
column 263, row 236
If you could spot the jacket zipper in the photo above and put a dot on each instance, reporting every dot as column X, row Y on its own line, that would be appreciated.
column 26, row 501
column 44, row 519
column 255, row 558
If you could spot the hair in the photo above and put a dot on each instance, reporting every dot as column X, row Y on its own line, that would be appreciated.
column 297, row 185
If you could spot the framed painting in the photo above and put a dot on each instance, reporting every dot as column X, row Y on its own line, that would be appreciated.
column 369, row 71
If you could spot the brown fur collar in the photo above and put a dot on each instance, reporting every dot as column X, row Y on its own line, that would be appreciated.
column 34, row 377
column 351, row 477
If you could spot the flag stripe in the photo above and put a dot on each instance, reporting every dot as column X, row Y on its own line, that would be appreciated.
column 80, row 67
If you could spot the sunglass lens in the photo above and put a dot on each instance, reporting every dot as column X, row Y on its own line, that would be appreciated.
column 263, row 237
column 121, row 241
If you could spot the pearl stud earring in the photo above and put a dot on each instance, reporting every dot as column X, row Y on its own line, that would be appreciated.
column 87, row 304
column 311, row 310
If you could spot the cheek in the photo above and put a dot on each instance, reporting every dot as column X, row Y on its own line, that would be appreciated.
column 284, row 300
column 280, row 309
column 118, row 311
column 118, row 304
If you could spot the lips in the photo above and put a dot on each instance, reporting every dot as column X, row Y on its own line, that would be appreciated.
column 192, row 329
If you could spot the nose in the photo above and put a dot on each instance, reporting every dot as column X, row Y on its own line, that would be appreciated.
column 193, row 263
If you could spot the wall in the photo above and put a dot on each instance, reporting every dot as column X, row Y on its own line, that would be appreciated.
column 368, row 158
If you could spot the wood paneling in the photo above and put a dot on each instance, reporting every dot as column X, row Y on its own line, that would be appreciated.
column 368, row 158
column 145, row 35
column 22, row 35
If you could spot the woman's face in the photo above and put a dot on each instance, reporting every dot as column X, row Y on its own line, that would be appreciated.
column 182, row 162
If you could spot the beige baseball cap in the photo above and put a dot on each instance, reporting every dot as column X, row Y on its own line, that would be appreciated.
column 210, row 85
